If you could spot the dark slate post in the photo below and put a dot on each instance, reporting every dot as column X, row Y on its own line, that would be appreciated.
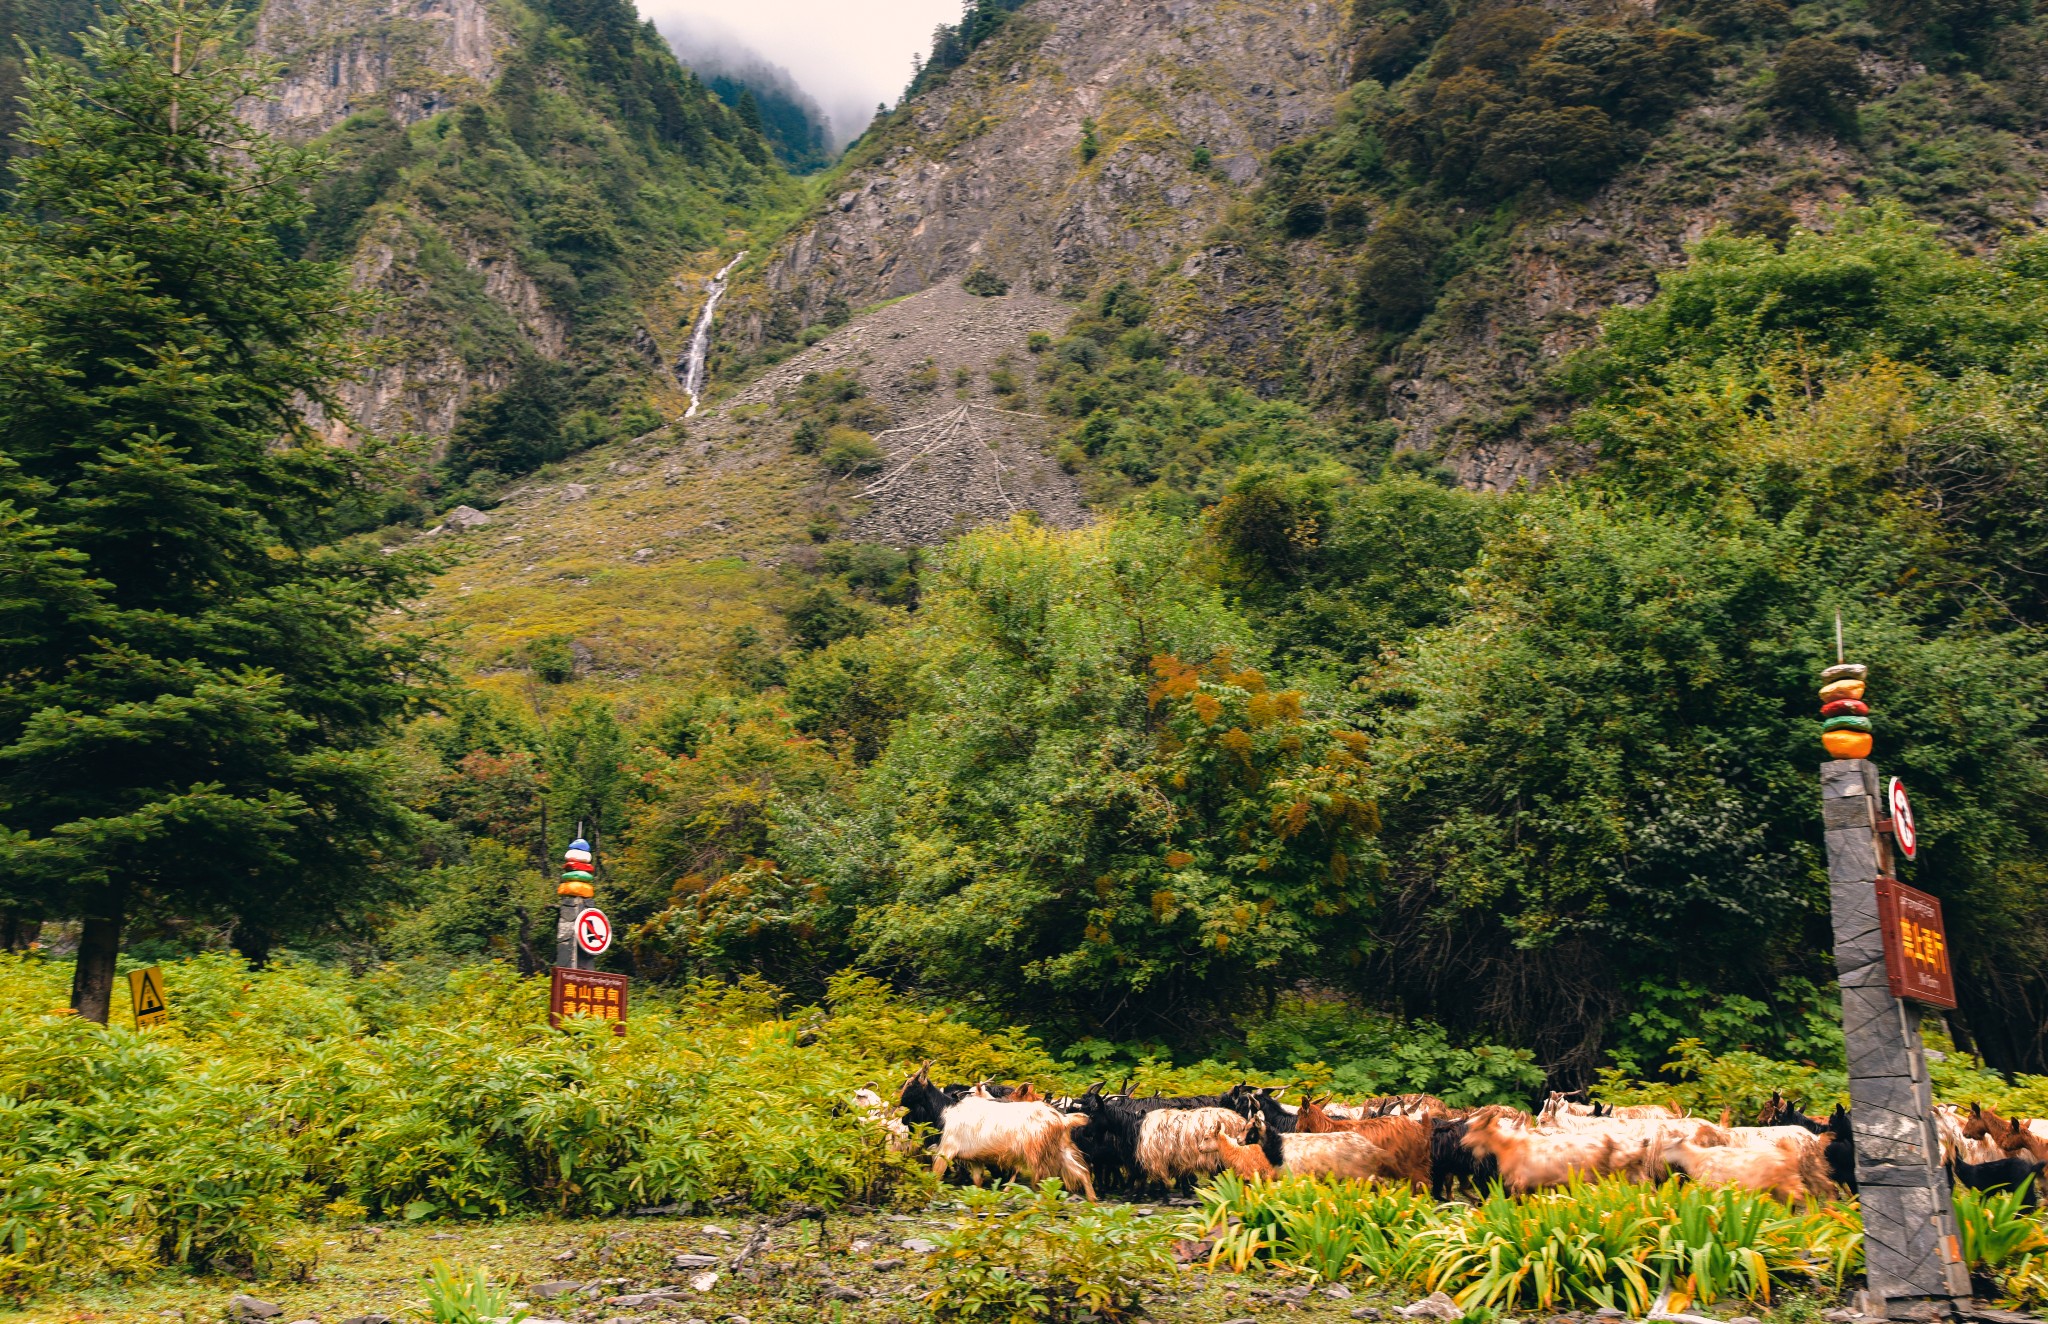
column 1909, row 1223
column 567, row 953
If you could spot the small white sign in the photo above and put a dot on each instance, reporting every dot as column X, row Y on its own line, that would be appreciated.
column 1902, row 819
column 593, row 931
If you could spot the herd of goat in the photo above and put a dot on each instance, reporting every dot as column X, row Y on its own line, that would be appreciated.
column 1117, row 1141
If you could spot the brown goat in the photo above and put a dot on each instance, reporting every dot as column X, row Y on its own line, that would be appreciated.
column 2011, row 1137
column 1247, row 1159
column 1401, row 1144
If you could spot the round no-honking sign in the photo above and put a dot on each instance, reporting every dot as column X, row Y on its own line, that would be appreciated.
column 593, row 931
column 1902, row 818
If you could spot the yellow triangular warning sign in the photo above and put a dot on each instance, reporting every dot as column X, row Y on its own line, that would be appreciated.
column 146, row 992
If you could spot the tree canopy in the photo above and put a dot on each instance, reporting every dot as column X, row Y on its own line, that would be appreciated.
column 196, row 684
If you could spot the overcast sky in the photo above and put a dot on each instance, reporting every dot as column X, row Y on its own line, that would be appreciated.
column 848, row 54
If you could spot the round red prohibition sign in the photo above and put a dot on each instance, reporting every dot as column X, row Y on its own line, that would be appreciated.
column 593, row 931
column 1902, row 819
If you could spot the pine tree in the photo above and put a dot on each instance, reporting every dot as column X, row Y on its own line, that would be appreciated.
column 749, row 111
column 194, row 691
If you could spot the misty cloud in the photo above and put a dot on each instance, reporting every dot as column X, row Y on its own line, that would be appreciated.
column 845, row 55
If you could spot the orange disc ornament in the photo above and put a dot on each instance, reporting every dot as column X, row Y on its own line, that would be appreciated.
column 1847, row 744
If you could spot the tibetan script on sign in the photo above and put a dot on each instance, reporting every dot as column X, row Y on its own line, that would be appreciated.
column 587, row 993
column 1915, row 944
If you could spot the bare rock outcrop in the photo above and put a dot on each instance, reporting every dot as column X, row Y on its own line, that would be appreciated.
column 1087, row 138
column 411, row 57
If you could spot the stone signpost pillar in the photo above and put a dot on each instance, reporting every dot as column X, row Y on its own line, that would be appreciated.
column 1910, row 1248
column 579, row 874
column 567, row 953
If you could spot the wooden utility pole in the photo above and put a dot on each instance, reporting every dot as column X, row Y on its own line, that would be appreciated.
column 1910, row 1250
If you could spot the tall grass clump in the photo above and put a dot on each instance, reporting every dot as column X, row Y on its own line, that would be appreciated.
column 2005, row 1244
column 1611, row 1243
column 1332, row 1229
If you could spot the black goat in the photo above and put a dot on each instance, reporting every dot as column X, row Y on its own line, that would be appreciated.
column 925, row 1104
column 1841, row 1150
column 1263, row 1102
column 2006, row 1174
column 1452, row 1164
column 1110, row 1139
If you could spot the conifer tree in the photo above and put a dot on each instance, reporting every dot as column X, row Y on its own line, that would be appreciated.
column 193, row 689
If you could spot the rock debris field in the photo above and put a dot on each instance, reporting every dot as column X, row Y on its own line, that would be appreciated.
column 958, row 455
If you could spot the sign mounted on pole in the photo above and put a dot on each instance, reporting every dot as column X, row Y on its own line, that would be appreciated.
column 146, row 995
column 593, row 931
column 1915, row 944
column 587, row 993
column 1903, row 833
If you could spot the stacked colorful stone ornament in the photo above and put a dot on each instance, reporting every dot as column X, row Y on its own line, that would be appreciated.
column 1845, row 718
column 578, row 872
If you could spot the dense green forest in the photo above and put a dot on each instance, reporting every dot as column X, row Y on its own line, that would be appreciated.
column 1301, row 761
column 1531, row 770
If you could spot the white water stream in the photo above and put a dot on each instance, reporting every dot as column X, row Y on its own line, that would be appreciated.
column 700, row 338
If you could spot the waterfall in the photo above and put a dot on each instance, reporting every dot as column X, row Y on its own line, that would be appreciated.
column 692, row 364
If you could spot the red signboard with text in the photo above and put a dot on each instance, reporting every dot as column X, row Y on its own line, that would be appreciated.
column 1915, row 945
column 587, row 993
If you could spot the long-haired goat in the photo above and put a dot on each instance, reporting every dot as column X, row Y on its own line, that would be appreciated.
column 1328, row 1154
column 1838, row 1138
column 881, row 1114
column 1032, row 1140
column 1792, row 1174
column 1174, row 1143
column 1453, row 1165
column 1401, row 1144
column 1531, row 1160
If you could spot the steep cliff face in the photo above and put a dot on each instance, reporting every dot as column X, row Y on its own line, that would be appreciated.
column 521, row 181
column 409, row 58
column 1087, row 138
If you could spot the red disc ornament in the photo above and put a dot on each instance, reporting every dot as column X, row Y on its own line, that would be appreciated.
column 593, row 931
column 1902, row 819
